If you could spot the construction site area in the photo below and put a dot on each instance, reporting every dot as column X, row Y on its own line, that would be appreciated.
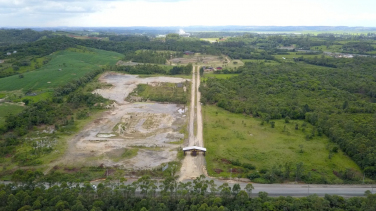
column 129, row 135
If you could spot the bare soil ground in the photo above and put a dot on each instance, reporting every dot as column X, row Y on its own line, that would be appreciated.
column 146, row 126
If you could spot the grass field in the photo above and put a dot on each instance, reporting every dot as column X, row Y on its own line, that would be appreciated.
column 6, row 109
column 229, row 136
column 164, row 92
column 73, row 65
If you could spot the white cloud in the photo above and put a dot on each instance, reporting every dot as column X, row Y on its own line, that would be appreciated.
column 184, row 12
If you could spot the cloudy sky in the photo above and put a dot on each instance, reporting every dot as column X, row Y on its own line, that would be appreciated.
column 34, row 13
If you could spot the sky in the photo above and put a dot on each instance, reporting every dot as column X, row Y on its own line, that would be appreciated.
column 122, row 13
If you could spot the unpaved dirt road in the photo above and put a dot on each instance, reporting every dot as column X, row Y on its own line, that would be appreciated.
column 193, row 166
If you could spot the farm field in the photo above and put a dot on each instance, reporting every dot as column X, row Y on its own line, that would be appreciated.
column 234, row 137
column 64, row 67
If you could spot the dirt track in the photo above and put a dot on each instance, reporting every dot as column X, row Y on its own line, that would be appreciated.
column 193, row 166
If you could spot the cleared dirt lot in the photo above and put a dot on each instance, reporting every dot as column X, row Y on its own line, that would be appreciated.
column 147, row 127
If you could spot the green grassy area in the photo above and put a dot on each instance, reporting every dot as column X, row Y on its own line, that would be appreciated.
column 231, row 137
column 165, row 92
column 65, row 66
column 129, row 153
column 35, row 63
column 6, row 109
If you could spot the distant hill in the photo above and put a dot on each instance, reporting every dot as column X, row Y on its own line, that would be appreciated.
column 19, row 36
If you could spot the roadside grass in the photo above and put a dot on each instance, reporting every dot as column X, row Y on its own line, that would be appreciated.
column 6, row 109
column 77, row 174
column 231, row 137
column 72, row 65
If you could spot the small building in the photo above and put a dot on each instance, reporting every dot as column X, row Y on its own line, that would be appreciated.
column 208, row 69
column 9, row 53
column 194, row 149
column 1, row 61
column 188, row 53
column 218, row 68
column 14, row 51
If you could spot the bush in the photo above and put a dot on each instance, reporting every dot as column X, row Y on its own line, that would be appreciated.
column 254, row 175
column 263, row 171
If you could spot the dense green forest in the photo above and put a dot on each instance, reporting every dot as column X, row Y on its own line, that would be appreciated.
column 16, row 36
column 147, row 194
column 339, row 102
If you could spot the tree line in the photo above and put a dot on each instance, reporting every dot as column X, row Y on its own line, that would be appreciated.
column 148, row 194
